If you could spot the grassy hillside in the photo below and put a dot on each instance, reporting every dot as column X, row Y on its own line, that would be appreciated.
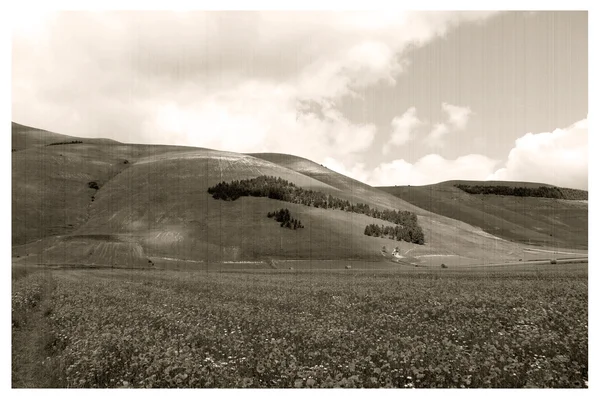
column 25, row 137
column 151, row 208
column 355, row 191
column 530, row 220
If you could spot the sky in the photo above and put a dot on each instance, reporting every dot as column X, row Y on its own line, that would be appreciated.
column 388, row 98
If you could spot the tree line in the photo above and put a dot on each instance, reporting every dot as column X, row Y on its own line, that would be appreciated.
column 398, row 232
column 281, row 189
column 58, row 143
column 551, row 192
column 285, row 219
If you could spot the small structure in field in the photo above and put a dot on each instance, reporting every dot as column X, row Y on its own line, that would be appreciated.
column 444, row 266
column 348, row 266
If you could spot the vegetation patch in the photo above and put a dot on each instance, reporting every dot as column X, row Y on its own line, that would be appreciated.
column 541, row 191
column 60, row 143
column 281, row 189
column 284, row 217
column 398, row 232
column 425, row 329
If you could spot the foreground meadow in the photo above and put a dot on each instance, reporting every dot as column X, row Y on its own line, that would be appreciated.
column 515, row 327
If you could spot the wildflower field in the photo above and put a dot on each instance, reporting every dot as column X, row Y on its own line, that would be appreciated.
column 405, row 328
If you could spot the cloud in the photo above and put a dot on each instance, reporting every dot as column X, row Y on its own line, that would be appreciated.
column 559, row 158
column 458, row 117
column 358, row 171
column 430, row 169
column 405, row 125
column 437, row 134
column 227, row 80
column 403, row 128
column 241, row 120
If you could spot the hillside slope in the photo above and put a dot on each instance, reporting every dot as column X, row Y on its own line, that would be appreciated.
column 529, row 220
column 26, row 137
column 150, row 207
column 355, row 190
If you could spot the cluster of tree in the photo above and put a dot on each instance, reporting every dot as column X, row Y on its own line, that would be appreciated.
column 285, row 219
column 71, row 142
column 93, row 185
column 541, row 191
column 574, row 194
column 281, row 189
column 262, row 186
column 411, row 234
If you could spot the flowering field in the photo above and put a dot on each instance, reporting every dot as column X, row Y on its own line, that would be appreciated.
column 428, row 328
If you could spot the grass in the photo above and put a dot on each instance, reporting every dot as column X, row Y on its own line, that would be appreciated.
column 21, row 271
column 529, row 220
column 34, row 342
column 519, row 326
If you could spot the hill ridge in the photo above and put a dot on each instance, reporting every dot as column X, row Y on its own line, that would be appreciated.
column 153, row 209
column 528, row 220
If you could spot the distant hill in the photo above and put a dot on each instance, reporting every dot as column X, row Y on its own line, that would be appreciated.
column 25, row 137
column 104, row 203
column 529, row 220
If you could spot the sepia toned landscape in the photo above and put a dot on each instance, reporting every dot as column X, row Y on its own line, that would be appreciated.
column 271, row 262
column 123, row 285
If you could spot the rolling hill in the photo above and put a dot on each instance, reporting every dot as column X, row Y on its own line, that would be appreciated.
column 528, row 220
column 25, row 137
column 104, row 203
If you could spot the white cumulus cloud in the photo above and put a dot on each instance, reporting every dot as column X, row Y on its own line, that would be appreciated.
column 403, row 128
column 437, row 134
column 457, row 119
column 432, row 168
column 357, row 171
column 559, row 158
column 457, row 116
